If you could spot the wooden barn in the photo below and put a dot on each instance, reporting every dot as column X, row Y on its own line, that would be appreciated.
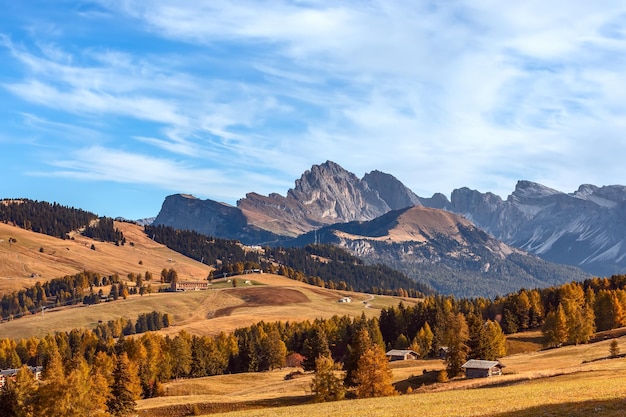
column 475, row 368
column 402, row 355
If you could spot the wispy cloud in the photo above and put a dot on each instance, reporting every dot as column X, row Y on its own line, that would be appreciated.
column 440, row 95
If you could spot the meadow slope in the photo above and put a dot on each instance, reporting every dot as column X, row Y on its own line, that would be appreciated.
column 38, row 257
column 223, row 308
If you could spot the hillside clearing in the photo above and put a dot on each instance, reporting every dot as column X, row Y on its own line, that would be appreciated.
column 209, row 312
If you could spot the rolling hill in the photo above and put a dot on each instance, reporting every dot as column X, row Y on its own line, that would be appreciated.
column 37, row 257
column 223, row 308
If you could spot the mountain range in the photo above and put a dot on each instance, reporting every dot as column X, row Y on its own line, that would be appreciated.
column 471, row 244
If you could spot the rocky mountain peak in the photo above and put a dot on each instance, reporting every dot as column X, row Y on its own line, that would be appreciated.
column 528, row 190
column 391, row 190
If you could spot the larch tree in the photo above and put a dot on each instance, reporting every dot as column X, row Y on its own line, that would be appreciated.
column 495, row 343
column 54, row 396
column 555, row 328
column 424, row 340
column 373, row 376
column 456, row 337
column 274, row 350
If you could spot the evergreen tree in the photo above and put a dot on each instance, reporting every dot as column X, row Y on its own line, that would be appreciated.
column 360, row 344
column 125, row 389
column 326, row 385
column 314, row 346
column 181, row 354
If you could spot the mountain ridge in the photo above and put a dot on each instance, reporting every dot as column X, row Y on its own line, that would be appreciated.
column 585, row 228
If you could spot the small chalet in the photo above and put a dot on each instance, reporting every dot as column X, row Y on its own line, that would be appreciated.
column 475, row 368
column 345, row 300
column 402, row 355
column 189, row 285
column 442, row 353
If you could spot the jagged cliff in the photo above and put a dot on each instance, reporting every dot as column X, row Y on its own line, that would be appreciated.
column 586, row 228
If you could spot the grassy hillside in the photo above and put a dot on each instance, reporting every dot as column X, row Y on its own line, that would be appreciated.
column 569, row 381
column 223, row 308
column 23, row 263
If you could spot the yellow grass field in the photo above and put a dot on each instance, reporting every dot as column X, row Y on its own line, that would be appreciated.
column 22, row 264
column 270, row 298
column 547, row 383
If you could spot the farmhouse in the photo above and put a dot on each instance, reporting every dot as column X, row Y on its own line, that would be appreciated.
column 402, row 355
column 11, row 373
column 475, row 368
column 189, row 285
column 345, row 300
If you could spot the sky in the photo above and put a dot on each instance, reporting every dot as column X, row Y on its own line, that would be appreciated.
column 112, row 105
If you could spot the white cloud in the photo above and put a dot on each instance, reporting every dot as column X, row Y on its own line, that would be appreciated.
column 441, row 95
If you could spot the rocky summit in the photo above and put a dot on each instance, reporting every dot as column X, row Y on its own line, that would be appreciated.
column 325, row 194
column 585, row 228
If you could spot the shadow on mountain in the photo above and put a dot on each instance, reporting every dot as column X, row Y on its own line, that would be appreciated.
column 604, row 408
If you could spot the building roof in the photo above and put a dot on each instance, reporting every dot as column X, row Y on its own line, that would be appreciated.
column 480, row 364
column 401, row 352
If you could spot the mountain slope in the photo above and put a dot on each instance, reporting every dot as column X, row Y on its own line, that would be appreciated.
column 586, row 228
column 37, row 257
column 444, row 251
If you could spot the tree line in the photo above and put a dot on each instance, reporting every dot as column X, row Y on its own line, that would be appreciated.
column 104, row 230
column 321, row 265
column 72, row 290
column 42, row 217
column 567, row 314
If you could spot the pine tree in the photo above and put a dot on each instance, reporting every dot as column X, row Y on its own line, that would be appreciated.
column 373, row 376
column 360, row 344
column 614, row 348
column 326, row 385
column 314, row 346
column 181, row 354
column 125, row 388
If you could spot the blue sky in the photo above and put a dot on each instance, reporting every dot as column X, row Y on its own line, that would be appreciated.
column 112, row 105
